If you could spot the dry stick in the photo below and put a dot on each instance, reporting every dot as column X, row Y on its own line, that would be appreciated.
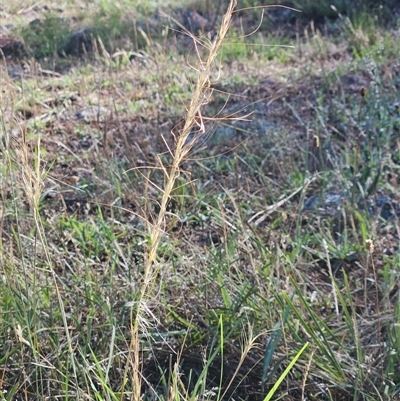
column 182, row 148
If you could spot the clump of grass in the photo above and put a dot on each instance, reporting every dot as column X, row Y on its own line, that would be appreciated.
column 46, row 37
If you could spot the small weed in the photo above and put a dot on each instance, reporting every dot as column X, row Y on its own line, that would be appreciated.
column 45, row 38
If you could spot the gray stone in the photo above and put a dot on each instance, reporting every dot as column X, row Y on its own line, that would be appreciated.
column 328, row 203
column 196, row 22
column 331, row 203
column 10, row 47
column 387, row 207
column 92, row 113
column 80, row 42
column 15, row 71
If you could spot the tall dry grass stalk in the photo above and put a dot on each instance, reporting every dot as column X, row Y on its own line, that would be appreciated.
column 193, row 118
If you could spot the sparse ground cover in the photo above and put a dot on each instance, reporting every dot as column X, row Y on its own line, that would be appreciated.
column 282, row 228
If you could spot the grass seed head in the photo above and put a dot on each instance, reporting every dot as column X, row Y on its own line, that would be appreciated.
column 369, row 244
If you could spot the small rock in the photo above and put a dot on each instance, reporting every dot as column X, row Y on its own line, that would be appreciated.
column 14, row 71
column 36, row 23
column 387, row 207
column 11, row 47
column 196, row 22
column 80, row 42
column 92, row 113
column 328, row 203
column 354, row 82
column 331, row 203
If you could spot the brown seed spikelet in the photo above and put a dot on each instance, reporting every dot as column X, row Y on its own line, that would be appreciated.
column 363, row 91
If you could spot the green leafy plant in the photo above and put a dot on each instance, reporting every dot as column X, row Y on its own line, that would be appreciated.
column 46, row 37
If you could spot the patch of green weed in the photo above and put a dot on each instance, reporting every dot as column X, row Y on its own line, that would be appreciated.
column 45, row 38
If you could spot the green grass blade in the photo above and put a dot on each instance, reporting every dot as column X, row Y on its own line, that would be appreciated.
column 285, row 373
